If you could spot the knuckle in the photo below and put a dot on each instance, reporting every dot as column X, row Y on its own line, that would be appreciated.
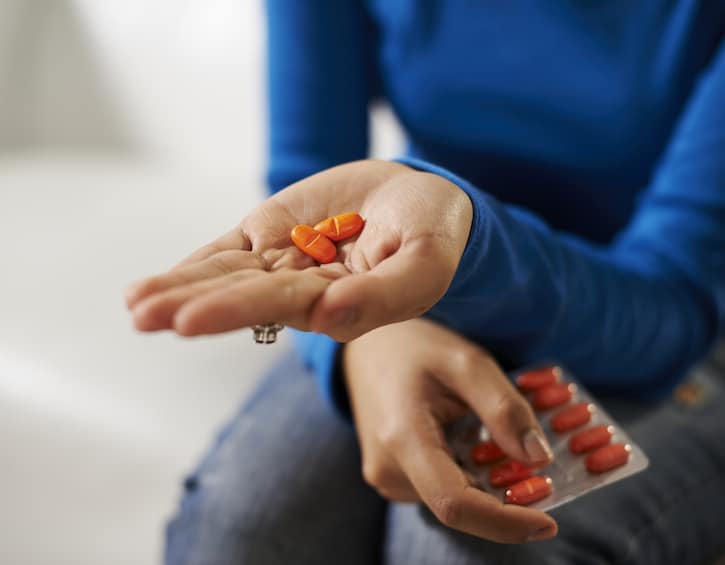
column 448, row 509
column 376, row 475
column 390, row 436
column 149, row 286
column 512, row 409
column 230, row 260
column 466, row 359
column 210, row 249
column 388, row 493
column 371, row 473
column 288, row 290
column 224, row 262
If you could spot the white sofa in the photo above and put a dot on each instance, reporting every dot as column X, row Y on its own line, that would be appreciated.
column 130, row 133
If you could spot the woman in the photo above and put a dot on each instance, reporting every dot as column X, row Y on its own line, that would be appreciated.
column 562, row 196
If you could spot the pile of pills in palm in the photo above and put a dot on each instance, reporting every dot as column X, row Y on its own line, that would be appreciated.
column 319, row 241
column 590, row 449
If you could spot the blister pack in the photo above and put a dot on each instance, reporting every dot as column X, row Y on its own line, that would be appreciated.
column 590, row 449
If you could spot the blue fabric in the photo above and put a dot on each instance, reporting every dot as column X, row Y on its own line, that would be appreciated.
column 320, row 353
column 590, row 138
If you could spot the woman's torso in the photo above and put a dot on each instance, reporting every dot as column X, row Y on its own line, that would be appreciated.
column 562, row 106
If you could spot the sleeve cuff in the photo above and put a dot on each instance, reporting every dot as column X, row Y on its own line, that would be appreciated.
column 477, row 237
column 321, row 354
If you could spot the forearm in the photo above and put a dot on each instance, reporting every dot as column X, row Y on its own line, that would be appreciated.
column 621, row 320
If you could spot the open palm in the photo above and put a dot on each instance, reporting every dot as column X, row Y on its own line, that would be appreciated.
column 400, row 265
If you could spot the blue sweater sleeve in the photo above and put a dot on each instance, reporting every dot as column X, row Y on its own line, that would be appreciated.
column 631, row 316
column 319, row 75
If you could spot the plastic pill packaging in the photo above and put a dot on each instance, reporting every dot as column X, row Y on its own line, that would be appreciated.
column 590, row 449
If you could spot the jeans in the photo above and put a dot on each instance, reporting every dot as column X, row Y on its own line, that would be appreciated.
column 282, row 485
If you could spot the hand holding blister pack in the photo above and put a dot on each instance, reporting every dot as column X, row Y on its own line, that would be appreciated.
column 590, row 449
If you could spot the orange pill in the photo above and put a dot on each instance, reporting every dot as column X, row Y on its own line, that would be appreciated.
column 552, row 395
column 341, row 226
column 572, row 417
column 608, row 457
column 528, row 491
column 508, row 474
column 591, row 438
column 538, row 378
column 486, row 452
column 314, row 244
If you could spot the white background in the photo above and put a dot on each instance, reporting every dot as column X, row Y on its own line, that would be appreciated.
column 131, row 131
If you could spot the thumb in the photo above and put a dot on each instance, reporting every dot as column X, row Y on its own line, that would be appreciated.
column 478, row 380
column 399, row 288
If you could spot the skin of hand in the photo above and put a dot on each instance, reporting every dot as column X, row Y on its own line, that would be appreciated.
column 399, row 266
column 406, row 381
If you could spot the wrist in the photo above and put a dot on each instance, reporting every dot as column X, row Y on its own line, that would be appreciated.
column 473, row 216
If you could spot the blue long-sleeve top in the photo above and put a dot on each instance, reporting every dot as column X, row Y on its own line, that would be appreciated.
column 590, row 137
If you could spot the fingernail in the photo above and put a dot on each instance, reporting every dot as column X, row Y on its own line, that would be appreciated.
column 542, row 534
column 536, row 447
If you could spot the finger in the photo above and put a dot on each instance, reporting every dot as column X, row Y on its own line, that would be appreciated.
column 284, row 296
column 477, row 379
column 234, row 239
column 157, row 311
column 390, row 483
column 382, row 472
column 401, row 287
column 445, row 489
column 403, row 492
column 216, row 265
